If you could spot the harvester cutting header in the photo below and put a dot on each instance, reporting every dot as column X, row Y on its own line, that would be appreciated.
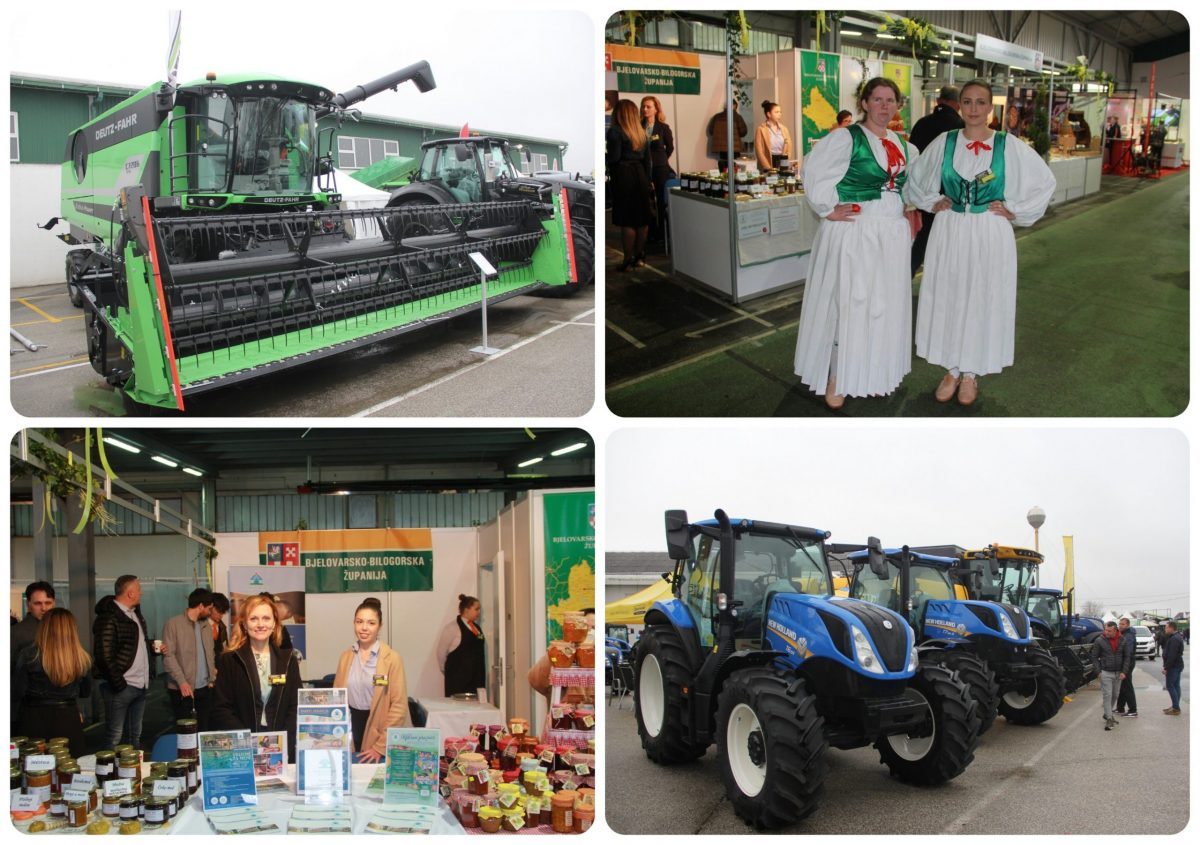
column 212, row 249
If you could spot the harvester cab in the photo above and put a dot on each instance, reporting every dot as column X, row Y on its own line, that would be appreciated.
column 212, row 249
column 753, row 651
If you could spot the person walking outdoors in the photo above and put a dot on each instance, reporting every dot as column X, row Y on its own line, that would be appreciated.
column 662, row 146
column 1172, row 663
column 855, row 336
column 48, row 679
column 373, row 675
column 627, row 154
column 190, row 659
column 978, row 184
column 1109, row 659
column 1127, row 698
column 124, row 660
column 943, row 118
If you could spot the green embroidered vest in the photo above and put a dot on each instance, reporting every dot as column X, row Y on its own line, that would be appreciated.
column 865, row 180
column 973, row 195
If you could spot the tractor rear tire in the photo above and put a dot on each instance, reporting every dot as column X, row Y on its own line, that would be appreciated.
column 771, row 747
column 1042, row 697
column 946, row 753
column 662, row 673
column 76, row 259
column 977, row 675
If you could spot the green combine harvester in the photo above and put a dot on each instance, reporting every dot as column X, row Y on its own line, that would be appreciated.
column 212, row 249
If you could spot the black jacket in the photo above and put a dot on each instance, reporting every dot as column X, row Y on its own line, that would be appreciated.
column 1107, row 660
column 1173, row 651
column 22, row 634
column 618, row 149
column 32, row 688
column 941, row 119
column 1129, row 638
column 662, row 145
column 115, row 639
column 237, row 697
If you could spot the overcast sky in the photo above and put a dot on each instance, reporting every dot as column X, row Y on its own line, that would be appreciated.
column 498, row 67
column 1122, row 494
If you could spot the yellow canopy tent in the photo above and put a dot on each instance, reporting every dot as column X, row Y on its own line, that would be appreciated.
column 631, row 609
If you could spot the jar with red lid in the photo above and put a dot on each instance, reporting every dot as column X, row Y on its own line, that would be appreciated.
column 545, row 753
column 562, row 756
column 529, row 744
column 562, row 718
column 511, row 776
column 508, row 747
column 561, row 654
column 585, row 717
column 480, row 734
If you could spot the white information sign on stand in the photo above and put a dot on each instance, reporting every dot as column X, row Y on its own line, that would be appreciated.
column 753, row 223
column 785, row 219
column 486, row 271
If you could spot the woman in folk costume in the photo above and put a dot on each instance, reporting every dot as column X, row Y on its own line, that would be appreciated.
column 979, row 183
column 856, row 321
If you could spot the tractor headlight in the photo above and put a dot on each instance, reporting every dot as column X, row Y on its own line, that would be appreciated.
column 864, row 653
column 913, row 660
column 1007, row 625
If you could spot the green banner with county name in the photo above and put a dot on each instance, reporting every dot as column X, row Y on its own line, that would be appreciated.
column 820, row 84
column 569, row 521
column 357, row 560
column 644, row 70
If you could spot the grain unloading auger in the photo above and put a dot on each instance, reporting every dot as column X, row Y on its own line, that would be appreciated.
column 213, row 250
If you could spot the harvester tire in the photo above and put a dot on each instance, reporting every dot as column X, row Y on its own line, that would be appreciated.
column 1040, row 698
column 946, row 753
column 662, row 674
column 979, row 677
column 771, row 747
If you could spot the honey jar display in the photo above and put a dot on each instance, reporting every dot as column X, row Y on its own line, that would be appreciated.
column 575, row 627
column 562, row 654
column 489, row 819
column 585, row 655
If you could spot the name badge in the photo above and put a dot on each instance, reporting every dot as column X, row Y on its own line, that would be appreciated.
column 278, row 680
column 985, row 177
column 380, row 680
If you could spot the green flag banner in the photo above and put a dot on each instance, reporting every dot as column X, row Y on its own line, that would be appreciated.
column 355, row 560
column 820, row 84
column 569, row 521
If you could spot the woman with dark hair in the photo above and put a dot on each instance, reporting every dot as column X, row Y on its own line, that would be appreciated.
column 662, row 145
column 844, row 119
column 979, row 184
column 257, row 678
column 627, row 154
column 460, row 649
column 855, row 324
column 48, row 679
column 373, row 675
column 772, row 142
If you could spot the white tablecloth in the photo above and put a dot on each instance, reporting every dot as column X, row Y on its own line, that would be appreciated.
column 454, row 718
column 278, row 805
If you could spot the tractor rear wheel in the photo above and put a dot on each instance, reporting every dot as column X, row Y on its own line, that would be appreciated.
column 948, row 746
column 662, row 674
column 771, row 747
column 1036, row 700
column 76, row 259
column 978, row 676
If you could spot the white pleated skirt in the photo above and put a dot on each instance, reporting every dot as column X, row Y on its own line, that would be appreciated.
column 967, row 309
column 859, row 293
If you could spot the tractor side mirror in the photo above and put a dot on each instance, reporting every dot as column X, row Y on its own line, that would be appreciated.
column 462, row 152
column 876, row 560
column 677, row 535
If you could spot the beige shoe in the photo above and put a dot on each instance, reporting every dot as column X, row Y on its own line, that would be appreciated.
column 832, row 398
column 946, row 390
column 968, row 390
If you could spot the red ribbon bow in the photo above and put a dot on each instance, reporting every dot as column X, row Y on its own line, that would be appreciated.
column 976, row 146
column 895, row 161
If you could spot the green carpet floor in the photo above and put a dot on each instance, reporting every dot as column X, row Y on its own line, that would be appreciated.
column 1102, row 331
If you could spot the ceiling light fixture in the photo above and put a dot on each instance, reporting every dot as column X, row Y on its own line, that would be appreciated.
column 530, row 462
column 574, row 447
column 121, row 444
column 164, row 461
column 194, row 472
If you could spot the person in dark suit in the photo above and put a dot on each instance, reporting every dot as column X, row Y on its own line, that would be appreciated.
column 662, row 145
column 943, row 118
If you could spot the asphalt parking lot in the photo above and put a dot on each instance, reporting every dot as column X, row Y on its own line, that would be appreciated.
column 546, row 368
column 1048, row 779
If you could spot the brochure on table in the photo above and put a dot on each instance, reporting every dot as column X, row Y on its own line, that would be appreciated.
column 315, row 818
column 411, row 766
column 270, row 756
column 241, row 820
column 227, row 770
column 323, row 745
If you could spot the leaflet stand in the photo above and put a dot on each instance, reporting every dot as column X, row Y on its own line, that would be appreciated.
column 486, row 271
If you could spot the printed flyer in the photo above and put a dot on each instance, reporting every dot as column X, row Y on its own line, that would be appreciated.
column 411, row 766
column 227, row 769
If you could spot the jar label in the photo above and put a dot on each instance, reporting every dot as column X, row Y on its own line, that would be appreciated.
column 117, row 787
column 71, row 795
column 40, row 762
column 154, row 814
column 582, row 769
column 31, row 801
column 84, row 780
column 186, row 741
column 482, row 776
column 584, row 824
column 517, row 822
column 589, row 722
column 165, row 789
column 547, row 757
column 104, row 768
column 508, row 800
column 570, row 785
column 569, row 818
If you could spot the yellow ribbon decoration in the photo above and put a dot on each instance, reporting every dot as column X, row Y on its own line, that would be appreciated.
column 631, row 20
column 103, row 454
column 745, row 30
column 87, row 490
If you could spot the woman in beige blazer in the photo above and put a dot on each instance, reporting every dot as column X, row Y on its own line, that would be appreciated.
column 772, row 141
column 373, row 675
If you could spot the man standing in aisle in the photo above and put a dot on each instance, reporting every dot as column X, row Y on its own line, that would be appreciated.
column 123, row 662
column 1127, row 698
column 39, row 598
column 1173, row 666
column 1108, row 656
column 942, row 119
column 190, row 664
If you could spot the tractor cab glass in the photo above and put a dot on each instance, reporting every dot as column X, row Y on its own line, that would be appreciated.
column 926, row 583
column 497, row 164
column 251, row 145
column 1046, row 608
column 1009, row 581
column 447, row 168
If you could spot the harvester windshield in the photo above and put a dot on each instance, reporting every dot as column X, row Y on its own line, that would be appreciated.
column 252, row 145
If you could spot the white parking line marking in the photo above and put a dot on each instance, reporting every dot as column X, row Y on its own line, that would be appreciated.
column 54, row 370
column 624, row 335
column 396, row 400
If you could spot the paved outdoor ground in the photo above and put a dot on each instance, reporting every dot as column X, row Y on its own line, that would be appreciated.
column 546, row 368
column 1024, row 780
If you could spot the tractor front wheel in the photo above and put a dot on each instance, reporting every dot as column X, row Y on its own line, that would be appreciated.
column 1036, row 700
column 945, row 746
column 662, row 674
column 771, row 747
column 979, row 678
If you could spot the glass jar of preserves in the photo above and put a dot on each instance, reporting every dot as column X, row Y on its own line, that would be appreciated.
column 562, row 654
column 128, row 766
column 14, row 776
column 157, row 811
column 585, row 717
column 533, row 812
column 518, row 726
column 110, row 806
column 39, row 783
column 187, row 735
column 562, row 718
column 489, row 819
column 178, row 772
column 193, row 774
column 77, row 814
column 478, row 778
column 58, row 807
column 585, row 655
column 512, row 820
column 130, row 807
column 562, row 817
column 106, row 766
column 468, row 811
column 584, row 816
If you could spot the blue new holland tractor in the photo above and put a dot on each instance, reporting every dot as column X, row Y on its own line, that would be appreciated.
column 754, row 652
column 987, row 643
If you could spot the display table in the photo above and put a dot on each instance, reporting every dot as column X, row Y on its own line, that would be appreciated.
column 454, row 718
column 775, row 237
column 1172, row 155
column 1075, row 176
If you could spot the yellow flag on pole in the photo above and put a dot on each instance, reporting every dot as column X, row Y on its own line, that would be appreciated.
column 1069, row 570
